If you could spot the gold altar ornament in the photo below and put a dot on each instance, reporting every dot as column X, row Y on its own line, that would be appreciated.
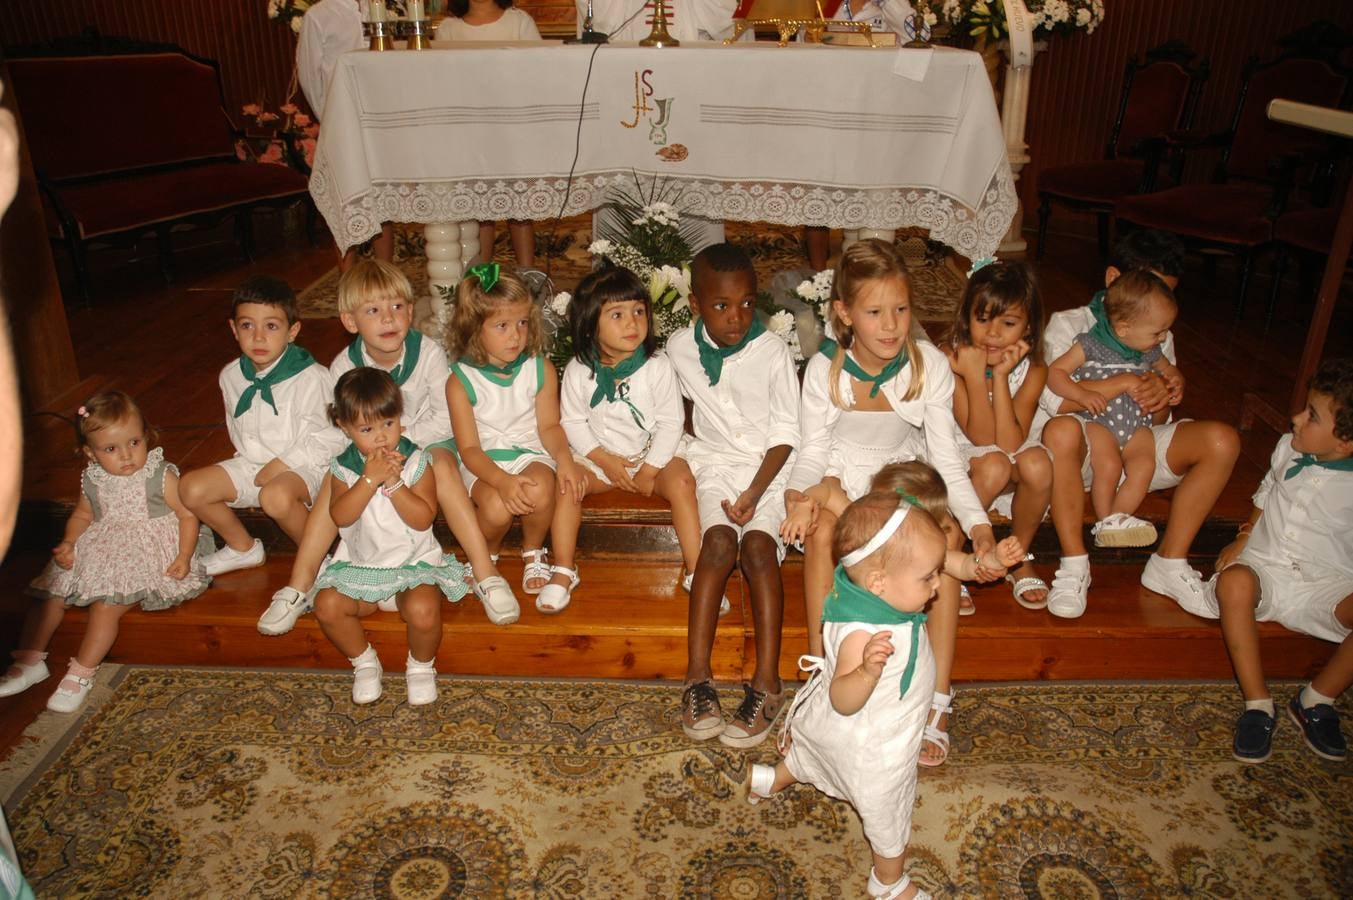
column 659, row 37
column 789, row 17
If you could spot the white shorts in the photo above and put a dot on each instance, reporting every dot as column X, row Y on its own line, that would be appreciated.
column 1294, row 602
column 242, row 473
column 714, row 484
column 1162, row 477
column 511, row 466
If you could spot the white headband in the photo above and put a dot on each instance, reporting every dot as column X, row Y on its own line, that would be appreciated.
column 859, row 554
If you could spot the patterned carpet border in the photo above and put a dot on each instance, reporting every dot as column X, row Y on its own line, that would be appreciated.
column 228, row 782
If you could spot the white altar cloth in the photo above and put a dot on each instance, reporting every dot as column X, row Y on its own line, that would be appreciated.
column 810, row 135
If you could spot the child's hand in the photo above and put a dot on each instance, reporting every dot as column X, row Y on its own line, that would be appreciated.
column 970, row 362
column 269, row 472
column 1008, row 553
column 397, row 461
column 984, row 549
column 515, row 496
column 1093, row 403
column 178, row 569
column 741, row 510
column 1151, row 393
column 616, row 472
column 572, row 480
column 1228, row 554
column 646, row 480
column 800, row 515
column 380, row 467
column 1010, row 358
column 64, row 554
column 876, row 654
column 1174, row 386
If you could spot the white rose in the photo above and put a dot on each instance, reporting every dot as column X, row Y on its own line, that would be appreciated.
column 560, row 303
column 1082, row 17
column 600, row 248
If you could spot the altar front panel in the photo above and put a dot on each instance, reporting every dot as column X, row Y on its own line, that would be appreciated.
column 796, row 135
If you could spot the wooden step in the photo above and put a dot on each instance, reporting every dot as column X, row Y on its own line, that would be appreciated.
column 628, row 620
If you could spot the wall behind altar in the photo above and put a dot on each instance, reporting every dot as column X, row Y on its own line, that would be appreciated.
column 1076, row 83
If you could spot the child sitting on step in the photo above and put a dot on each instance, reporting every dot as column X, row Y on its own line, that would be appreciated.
column 740, row 379
column 383, row 498
column 375, row 302
column 275, row 400
column 129, row 542
column 1139, row 309
column 620, row 406
column 504, row 402
column 1292, row 563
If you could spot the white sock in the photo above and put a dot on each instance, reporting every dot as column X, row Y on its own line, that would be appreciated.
column 1266, row 705
column 1075, row 563
column 1311, row 697
column 366, row 656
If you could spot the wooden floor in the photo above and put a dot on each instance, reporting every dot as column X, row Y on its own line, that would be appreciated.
column 165, row 345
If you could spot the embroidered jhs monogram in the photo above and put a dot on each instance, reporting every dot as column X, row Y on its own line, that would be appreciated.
column 643, row 110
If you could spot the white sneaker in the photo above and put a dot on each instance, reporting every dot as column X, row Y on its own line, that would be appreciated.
column 227, row 560
column 1123, row 530
column 500, row 604
column 366, row 679
column 725, row 607
column 29, row 675
column 1068, row 593
column 1181, row 583
column 389, row 604
column 288, row 605
column 420, row 678
column 69, row 699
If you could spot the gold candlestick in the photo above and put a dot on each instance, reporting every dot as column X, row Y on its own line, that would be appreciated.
column 379, row 39
column 659, row 37
column 417, row 39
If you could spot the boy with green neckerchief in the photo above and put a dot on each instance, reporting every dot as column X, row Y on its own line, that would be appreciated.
column 276, row 400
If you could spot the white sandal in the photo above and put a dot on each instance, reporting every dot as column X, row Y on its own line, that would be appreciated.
column 940, row 704
column 880, row 891
column 760, row 783
column 1022, row 586
column 554, row 598
column 537, row 565
column 500, row 604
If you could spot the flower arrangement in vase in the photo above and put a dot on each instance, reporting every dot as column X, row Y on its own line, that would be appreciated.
column 285, row 137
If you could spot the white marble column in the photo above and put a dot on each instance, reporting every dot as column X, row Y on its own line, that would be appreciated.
column 1014, row 117
column 451, row 247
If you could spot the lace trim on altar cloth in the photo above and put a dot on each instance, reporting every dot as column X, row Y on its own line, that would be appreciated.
column 974, row 233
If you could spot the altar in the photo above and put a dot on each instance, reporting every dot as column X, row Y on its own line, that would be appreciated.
column 802, row 135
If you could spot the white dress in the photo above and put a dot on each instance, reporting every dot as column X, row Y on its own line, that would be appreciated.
column 505, row 415
column 868, row 759
column 642, row 424
column 514, row 25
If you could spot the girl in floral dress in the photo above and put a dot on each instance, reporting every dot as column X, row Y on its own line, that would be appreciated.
column 129, row 542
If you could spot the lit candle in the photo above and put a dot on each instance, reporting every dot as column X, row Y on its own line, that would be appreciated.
column 415, row 10
column 376, row 11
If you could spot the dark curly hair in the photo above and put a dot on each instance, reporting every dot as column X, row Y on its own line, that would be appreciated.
column 1335, row 378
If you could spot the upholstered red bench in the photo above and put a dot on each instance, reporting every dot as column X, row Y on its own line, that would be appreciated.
column 136, row 143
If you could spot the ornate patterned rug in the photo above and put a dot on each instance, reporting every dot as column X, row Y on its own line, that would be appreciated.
column 561, row 249
column 233, row 783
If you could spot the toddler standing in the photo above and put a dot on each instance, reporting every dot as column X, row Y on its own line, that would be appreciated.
column 129, row 542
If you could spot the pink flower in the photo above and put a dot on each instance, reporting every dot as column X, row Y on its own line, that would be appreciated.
column 268, row 117
column 240, row 153
column 252, row 109
column 288, row 108
column 301, row 119
column 311, row 130
column 308, row 148
column 273, row 154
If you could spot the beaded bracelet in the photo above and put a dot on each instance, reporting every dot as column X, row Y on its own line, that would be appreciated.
column 389, row 491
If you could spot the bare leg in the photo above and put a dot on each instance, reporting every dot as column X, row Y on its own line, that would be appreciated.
column 340, row 619
column 383, row 244
column 459, row 512
column 1106, row 462
column 523, row 235
column 718, row 555
column 990, row 474
column 942, row 628
column 889, row 869
column 1337, row 675
column 676, row 485
column 535, row 526
column 206, row 492
column 100, row 633
column 1033, row 492
column 421, row 610
column 486, row 241
column 1238, row 595
column 1066, row 444
column 817, row 577
column 318, row 537
column 568, row 518
column 819, row 242
column 493, row 517
column 1139, row 461
column 284, row 501
column 1205, row 452
column 760, row 564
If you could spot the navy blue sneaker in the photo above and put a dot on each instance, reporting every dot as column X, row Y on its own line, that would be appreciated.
column 1253, row 742
column 1319, row 726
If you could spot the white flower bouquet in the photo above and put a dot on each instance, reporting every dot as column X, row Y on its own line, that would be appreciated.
column 985, row 19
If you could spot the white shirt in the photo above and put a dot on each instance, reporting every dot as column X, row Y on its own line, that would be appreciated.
column 610, row 424
column 299, row 433
column 329, row 29
column 514, row 25
column 426, row 419
column 931, row 436
column 687, row 20
column 1307, row 521
column 1063, row 327
column 890, row 15
column 754, row 407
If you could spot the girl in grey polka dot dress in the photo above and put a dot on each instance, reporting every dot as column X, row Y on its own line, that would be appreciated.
column 1097, row 372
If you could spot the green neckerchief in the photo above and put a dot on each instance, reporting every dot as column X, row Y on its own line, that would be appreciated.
column 1307, row 459
column 352, row 459
column 848, row 602
column 711, row 357
column 608, row 378
column 502, row 375
column 1103, row 332
column 1097, row 306
column 293, row 361
column 856, row 371
column 413, row 345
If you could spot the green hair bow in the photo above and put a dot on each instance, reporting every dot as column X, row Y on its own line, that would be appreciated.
column 487, row 273
column 909, row 498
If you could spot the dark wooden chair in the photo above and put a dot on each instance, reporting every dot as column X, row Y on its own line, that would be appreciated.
column 1307, row 234
column 1265, row 167
column 1160, row 96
